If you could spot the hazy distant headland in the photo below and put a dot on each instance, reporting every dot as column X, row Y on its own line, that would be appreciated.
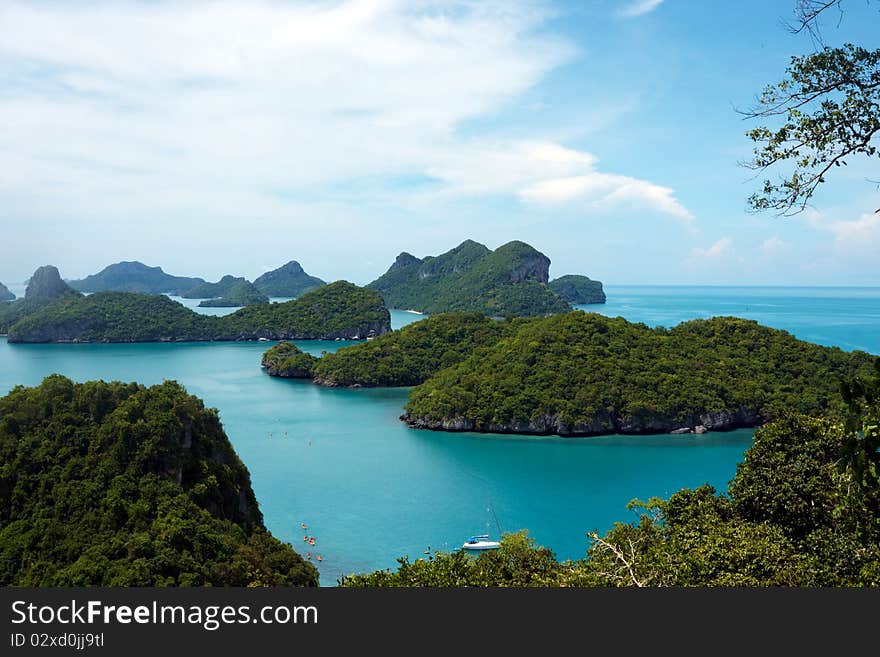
column 289, row 281
column 52, row 311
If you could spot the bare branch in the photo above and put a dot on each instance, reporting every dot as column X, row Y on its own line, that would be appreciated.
column 618, row 554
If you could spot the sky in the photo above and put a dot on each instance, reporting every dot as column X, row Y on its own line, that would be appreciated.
column 227, row 137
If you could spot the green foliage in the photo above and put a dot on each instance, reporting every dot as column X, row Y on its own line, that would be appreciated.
column 116, row 484
column 134, row 277
column 414, row 353
column 830, row 101
column 13, row 311
column 516, row 563
column 471, row 278
column 582, row 374
column 576, row 289
column 240, row 293
column 286, row 360
column 337, row 310
column 288, row 280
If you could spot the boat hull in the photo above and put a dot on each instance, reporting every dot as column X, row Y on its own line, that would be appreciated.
column 481, row 545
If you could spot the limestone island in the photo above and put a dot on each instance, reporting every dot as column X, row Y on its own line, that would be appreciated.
column 289, row 280
column 135, row 276
column 240, row 293
column 56, row 313
column 583, row 374
column 578, row 290
column 511, row 280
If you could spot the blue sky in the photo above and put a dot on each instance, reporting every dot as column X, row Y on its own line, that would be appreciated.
column 219, row 137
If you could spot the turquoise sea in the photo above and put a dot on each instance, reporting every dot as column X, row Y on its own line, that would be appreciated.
column 370, row 489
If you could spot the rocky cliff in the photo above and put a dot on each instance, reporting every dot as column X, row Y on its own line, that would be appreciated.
column 46, row 284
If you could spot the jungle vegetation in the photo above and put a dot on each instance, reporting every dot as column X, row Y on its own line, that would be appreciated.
column 117, row 484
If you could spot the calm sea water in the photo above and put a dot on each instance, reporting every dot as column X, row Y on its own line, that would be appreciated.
column 370, row 489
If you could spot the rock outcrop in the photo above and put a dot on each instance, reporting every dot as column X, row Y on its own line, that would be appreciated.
column 46, row 284
column 601, row 425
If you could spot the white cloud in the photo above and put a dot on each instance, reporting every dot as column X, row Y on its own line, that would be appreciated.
column 640, row 8
column 720, row 248
column 208, row 115
column 182, row 96
column 773, row 245
column 859, row 235
column 603, row 189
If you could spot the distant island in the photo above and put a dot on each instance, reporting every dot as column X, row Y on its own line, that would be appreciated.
column 205, row 290
column 578, row 290
column 135, row 277
column 133, row 486
column 242, row 293
column 512, row 280
column 44, row 288
column 339, row 310
column 583, row 374
column 229, row 291
column 5, row 294
column 289, row 280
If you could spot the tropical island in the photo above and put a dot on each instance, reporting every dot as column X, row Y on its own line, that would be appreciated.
column 511, row 280
column 583, row 374
column 578, row 290
column 5, row 294
column 239, row 292
column 212, row 290
column 133, row 486
column 287, row 361
column 289, row 280
column 135, row 276
column 52, row 312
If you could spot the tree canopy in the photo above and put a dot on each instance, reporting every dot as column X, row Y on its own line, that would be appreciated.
column 117, row 484
column 828, row 107
column 586, row 374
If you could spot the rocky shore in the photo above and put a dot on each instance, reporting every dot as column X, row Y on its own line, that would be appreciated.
column 606, row 424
